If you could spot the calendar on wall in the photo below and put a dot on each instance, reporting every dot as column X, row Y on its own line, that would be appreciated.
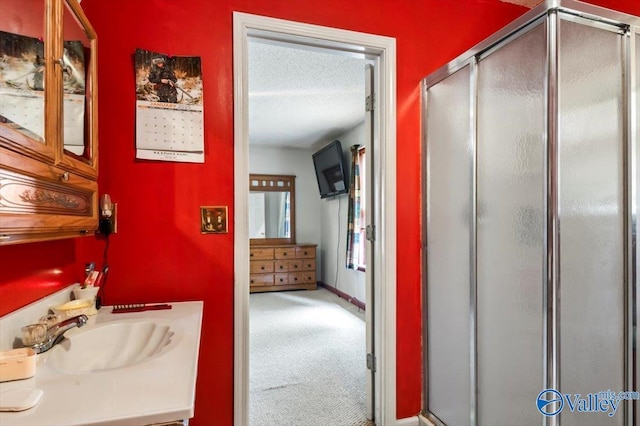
column 169, row 108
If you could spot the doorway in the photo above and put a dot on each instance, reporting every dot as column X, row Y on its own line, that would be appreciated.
column 382, row 51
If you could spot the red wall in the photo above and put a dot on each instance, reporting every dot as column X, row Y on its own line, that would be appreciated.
column 159, row 253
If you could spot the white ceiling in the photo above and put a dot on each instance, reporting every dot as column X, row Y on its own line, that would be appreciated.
column 300, row 96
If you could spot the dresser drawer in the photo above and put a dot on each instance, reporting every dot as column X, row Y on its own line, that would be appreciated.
column 281, row 266
column 261, row 279
column 302, row 277
column 295, row 265
column 295, row 278
column 305, row 252
column 307, row 277
column 285, row 253
column 261, row 266
column 281, row 279
column 260, row 253
column 308, row 265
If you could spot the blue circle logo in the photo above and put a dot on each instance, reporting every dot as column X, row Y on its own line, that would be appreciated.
column 549, row 402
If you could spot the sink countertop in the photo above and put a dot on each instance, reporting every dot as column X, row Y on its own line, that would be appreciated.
column 157, row 390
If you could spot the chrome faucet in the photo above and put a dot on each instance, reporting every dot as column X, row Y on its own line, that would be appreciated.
column 56, row 333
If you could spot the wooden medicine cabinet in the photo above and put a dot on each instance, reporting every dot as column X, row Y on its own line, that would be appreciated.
column 48, row 121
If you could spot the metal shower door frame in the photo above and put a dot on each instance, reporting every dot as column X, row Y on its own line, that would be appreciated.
column 551, row 12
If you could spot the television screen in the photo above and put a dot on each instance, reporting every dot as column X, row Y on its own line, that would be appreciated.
column 330, row 171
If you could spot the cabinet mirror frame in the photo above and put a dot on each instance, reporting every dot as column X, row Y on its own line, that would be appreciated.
column 51, row 149
column 276, row 183
column 86, row 166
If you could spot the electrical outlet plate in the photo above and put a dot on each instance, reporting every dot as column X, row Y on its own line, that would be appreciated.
column 213, row 219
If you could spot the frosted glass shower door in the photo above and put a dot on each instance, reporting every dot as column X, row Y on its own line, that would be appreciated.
column 510, row 230
column 449, row 167
column 591, row 214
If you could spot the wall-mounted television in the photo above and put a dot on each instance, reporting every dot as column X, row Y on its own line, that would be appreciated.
column 331, row 172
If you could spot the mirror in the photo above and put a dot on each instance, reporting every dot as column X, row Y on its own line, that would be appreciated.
column 77, row 62
column 271, row 209
column 22, row 73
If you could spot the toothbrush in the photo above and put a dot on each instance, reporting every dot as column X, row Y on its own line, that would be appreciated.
column 138, row 307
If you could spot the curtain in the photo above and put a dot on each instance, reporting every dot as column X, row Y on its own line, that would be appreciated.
column 353, row 214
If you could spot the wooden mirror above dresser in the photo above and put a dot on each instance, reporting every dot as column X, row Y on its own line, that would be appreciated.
column 276, row 261
column 272, row 209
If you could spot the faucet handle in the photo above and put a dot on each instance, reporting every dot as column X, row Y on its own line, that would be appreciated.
column 41, row 339
column 51, row 321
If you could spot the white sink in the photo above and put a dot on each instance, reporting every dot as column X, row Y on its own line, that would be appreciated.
column 127, row 368
column 110, row 346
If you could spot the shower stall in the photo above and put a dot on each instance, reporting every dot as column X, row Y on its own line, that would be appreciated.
column 531, row 182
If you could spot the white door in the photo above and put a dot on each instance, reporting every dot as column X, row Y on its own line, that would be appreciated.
column 373, row 403
column 383, row 51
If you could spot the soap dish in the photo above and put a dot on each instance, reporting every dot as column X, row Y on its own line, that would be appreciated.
column 75, row 307
column 17, row 364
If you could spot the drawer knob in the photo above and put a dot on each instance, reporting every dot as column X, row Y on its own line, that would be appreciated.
column 281, row 280
column 64, row 177
column 262, row 267
column 285, row 253
column 295, row 266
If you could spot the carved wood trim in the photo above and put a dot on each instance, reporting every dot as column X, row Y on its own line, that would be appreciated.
column 22, row 194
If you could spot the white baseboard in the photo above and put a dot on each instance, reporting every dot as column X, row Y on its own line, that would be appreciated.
column 423, row 421
column 409, row 421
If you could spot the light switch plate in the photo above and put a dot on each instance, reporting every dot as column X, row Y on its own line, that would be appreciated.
column 213, row 220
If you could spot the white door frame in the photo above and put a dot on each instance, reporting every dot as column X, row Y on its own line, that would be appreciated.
column 384, row 49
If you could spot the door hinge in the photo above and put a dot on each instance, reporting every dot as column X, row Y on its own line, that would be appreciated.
column 369, row 103
column 371, row 232
column 371, row 362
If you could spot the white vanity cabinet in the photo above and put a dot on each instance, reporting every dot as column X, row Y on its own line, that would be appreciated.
column 157, row 390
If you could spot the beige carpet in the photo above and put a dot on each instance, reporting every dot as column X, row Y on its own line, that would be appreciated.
column 307, row 360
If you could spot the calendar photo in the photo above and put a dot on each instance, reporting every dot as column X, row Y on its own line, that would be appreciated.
column 22, row 81
column 22, row 85
column 169, row 107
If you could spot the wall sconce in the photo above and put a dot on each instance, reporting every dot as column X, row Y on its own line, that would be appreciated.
column 108, row 216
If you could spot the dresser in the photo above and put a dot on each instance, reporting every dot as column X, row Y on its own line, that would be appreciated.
column 282, row 267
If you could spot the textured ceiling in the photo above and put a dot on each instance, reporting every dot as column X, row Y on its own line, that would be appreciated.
column 299, row 96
